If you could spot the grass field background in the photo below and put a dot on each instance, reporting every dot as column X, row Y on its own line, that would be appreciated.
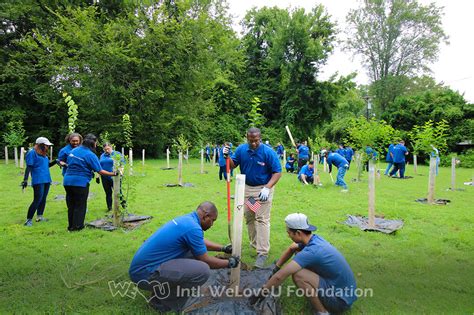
column 426, row 267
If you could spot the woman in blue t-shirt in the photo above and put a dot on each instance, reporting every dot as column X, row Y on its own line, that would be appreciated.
column 37, row 163
column 107, row 163
column 73, row 140
column 82, row 163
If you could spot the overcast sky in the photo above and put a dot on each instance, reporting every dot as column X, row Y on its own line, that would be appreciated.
column 455, row 66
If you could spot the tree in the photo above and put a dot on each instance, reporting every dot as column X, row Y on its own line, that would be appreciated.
column 395, row 38
column 428, row 134
column 15, row 134
column 255, row 117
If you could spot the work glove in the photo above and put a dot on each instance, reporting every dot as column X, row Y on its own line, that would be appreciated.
column 97, row 180
column 226, row 151
column 258, row 297
column 233, row 262
column 116, row 173
column 24, row 184
column 227, row 249
column 264, row 193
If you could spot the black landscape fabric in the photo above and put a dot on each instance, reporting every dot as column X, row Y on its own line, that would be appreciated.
column 214, row 301
column 381, row 225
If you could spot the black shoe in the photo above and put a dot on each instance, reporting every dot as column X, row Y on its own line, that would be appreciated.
column 155, row 303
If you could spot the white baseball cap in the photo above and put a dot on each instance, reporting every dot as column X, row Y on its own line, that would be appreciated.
column 299, row 221
column 43, row 140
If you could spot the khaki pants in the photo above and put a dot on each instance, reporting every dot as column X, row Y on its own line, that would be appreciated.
column 258, row 224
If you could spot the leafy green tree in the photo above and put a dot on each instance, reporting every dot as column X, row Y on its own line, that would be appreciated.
column 127, row 131
column 396, row 39
column 428, row 134
column 15, row 134
column 376, row 134
column 72, row 112
column 255, row 117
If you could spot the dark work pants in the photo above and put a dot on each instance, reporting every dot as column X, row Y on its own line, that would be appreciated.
column 208, row 158
column 397, row 167
column 301, row 163
column 40, row 192
column 108, row 185
column 167, row 282
column 222, row 170
column 76, row 200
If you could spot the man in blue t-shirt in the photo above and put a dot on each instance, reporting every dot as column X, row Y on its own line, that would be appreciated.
column 342, row 165
column 262, row 170
column 175, row 257
column 349, row 153
column 306, row 173
column 389, row 158
column 317, row 268
column 303, row 155
column 398, row 154
column 279, row 150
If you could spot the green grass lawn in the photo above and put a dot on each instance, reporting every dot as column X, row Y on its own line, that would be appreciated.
column 426, row 267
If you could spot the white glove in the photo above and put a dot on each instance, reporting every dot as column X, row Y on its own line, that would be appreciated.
column 264, row 193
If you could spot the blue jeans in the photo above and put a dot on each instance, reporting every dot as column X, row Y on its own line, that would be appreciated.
column 40, row 192
column 389, row 166
column 341, row 172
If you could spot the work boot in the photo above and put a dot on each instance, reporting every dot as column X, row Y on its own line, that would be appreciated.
column 29, row 222
column 260, row 261
column 155, row 303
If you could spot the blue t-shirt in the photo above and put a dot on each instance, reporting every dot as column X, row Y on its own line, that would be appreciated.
column 303, row 152
column 348, row 154
column 399, row 153
column 337, row 160
column 371, row 153
column 307, row 171
column 342, row 152
column 290, row 162
column 39, row 167
column 325, row 260
column 107, row 161
column 280, row 149
column 221, row 156
column 173, row 240
column 258, row 165
column 388, row 157
column 62, row 156
column 82, row 162
column 208, row 150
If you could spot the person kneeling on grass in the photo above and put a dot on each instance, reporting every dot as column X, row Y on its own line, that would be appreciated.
column 306, row 174
column 175, row 257
column 318, row 268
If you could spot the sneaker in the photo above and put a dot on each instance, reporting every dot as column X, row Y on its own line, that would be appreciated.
column 28, row 222
column 344, row 190
column 40, row 218
column 260, row 261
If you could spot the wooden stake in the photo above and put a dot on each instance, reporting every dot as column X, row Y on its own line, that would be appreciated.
column 130, row 160
column 187, row 156
column 123, row 151
column 167, row 158
column 284, row 157
column 116, row 205
column 291, row 137
column 16, row 156
column 214, row 157
column 202, row 161
column 371, row 193
column 415, row 163
column 143, row 157
column 453, row 173
column 431, row 181
column 359, row 166
column 22, row 157
column 6, row 155
column 180, row 169
column 51, row 153
column 325, row 165
column 237, row 229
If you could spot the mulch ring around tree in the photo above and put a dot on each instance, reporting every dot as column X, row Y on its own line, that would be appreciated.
column 63, row 197
column 442, row 202
column 130, row 222
column 178, row 185
column 213, row 298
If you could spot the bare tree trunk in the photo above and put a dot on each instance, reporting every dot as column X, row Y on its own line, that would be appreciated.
column 22, row 157
column 6, row 155
column 415, row 163
column 180, row 169
column 16, row 156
